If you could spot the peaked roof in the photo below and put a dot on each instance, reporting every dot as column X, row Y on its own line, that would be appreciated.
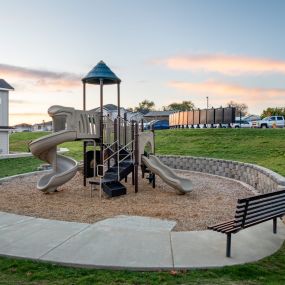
column 108, row 107
column 101, row 71
column 5, row 85
column 111, row 107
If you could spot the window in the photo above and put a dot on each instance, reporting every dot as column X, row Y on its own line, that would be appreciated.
column 279, row 118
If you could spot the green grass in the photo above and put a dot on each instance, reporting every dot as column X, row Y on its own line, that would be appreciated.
column 264, row 147
column 19, row 141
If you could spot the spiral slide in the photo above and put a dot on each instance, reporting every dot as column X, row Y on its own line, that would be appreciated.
column 182, row 185
column 64, row 168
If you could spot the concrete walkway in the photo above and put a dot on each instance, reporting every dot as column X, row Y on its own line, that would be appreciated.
column 131, row 242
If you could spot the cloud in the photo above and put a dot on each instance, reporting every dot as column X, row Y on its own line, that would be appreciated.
column 40, row 78
column 225, row 64
column 221, row 91
column 27, row 114
column 15, row 101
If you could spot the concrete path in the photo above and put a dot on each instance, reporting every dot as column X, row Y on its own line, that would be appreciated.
column 131, row 242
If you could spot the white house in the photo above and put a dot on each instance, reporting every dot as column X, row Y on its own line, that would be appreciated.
column 4, row 116
column 42, row 127
column 111, row 111
column 23, row 128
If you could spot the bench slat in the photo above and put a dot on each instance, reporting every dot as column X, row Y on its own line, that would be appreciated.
column 261, row 201
column 257, row 208
column 224, row 226
column 260, row 219
column 220, row 224
column 262, row 196
column 256, row 205
column 275, row 213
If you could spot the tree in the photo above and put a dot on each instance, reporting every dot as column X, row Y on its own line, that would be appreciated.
column 273, row 112
column 184, row 106
column 145, row 106
column 241, row 108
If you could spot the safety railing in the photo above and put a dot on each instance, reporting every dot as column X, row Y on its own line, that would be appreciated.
column 116, row 155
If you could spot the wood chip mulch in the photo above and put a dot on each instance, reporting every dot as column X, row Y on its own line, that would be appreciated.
column 213, row 200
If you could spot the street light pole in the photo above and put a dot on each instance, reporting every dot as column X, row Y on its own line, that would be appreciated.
column 207, row 102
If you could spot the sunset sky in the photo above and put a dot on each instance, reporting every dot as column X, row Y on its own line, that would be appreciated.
column 165, row 51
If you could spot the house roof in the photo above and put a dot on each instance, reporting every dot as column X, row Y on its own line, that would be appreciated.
column 45, row 123
column 158, row 113
column 24, row 125
column 4, row 85
column 107, row 107
column 101, row 71
column 111, row 107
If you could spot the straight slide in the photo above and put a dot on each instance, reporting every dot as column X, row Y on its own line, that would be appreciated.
column 63, row 168
column 182, row 185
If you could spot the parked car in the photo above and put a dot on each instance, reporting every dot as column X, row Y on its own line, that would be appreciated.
column 270, row 122
column 159, row 125
column 147, row 125
column 241, row 124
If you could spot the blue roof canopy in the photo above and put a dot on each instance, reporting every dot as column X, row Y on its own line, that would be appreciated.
column 101, row 71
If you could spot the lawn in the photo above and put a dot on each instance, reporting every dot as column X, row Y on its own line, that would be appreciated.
column 264, row 147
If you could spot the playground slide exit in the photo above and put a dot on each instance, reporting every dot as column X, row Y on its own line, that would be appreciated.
column 182, row 185
column 63, row 168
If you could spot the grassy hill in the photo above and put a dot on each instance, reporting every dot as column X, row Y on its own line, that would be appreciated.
column 263, row 147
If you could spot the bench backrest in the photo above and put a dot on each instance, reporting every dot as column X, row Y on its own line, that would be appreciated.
column 260, row 208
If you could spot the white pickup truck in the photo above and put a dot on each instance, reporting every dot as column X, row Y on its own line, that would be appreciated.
column 270, row 122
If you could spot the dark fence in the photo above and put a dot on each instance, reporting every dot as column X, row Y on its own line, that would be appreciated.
column 205, row 117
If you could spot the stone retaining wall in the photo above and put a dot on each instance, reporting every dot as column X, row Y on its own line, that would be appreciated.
column 261, row 178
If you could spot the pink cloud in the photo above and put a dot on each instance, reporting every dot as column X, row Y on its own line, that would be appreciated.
column 225, row 64
column 222, row 92
column 29, row 78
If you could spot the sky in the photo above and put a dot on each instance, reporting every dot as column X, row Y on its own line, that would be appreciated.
column 163, row 50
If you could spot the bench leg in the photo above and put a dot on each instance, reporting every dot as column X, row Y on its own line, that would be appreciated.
column 275, row 225
column 229, row 241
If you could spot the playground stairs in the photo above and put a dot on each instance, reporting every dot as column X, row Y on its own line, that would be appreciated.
column 111, row 184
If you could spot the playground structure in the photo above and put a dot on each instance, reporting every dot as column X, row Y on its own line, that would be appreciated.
column 207, row 117
column 118, row 147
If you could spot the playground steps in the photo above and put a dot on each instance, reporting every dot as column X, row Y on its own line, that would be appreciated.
column 114, row 188
column 111, row 181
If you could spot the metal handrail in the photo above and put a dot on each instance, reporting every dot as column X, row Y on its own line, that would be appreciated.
column 103, row 172
column 115, row 142
column 118, row 157
column 109, row 157
column 125, row 157
column 100, row 177
column 124, row 147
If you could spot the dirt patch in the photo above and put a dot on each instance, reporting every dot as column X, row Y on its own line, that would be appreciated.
column 213, row 200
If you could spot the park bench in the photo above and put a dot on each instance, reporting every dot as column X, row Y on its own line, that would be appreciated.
column 252, row 211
